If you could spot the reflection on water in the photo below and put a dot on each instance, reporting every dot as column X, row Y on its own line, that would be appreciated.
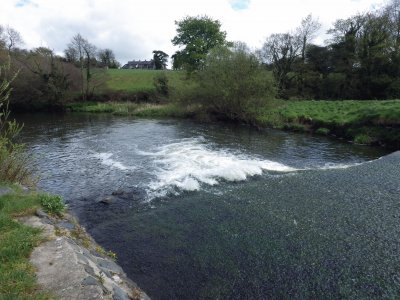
column 203, row 211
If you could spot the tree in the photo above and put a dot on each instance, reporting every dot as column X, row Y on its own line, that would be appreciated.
column 160, row 59
column 281, row 51
column 232, row 84
column 107, row 59
column 83, row 54
column 198, row 35
column 11, row 38
column 49, row 68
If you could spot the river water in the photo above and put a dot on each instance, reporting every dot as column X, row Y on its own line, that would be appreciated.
column 212, row 211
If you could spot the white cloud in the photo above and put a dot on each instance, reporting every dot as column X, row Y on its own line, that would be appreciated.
column 134, row 28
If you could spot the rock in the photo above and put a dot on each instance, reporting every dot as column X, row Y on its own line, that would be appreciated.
column 66, row 225
column 109, row 265
column 107, row 200
column 90, row 281
column 120, row 294
column 117, row 193
column 41, row 214
column 69, row 270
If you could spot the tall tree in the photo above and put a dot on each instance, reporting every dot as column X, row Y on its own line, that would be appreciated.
column 82, row 53
column 160, row 59
column 10, row 38
column 197, row 35
column 281, row 51
column 107, row 58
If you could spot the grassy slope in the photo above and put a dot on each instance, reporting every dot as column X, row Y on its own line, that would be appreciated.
column 366, row 122
column 133, row 81
column 17, row 280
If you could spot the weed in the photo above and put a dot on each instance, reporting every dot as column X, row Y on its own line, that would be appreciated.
column 52, row 204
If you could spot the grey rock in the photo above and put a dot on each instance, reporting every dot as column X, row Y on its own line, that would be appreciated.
column 109, row 265
column 90, row 281
column 117, row 193
column 66, row 225
column 41, row 214
column 107, row 200
column 120, row 294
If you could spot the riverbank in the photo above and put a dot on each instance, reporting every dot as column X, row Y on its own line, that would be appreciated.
column 361, row 122
column 36, row 245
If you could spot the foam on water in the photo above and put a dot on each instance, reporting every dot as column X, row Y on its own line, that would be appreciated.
column 105, row 159
column 188, row 164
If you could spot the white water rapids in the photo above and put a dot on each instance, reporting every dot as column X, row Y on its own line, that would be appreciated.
column 188, row 164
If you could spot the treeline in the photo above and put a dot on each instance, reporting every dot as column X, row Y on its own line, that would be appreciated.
column 46, row 80
column 360, row 61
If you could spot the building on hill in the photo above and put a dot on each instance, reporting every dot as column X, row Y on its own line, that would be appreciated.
column 139, row 64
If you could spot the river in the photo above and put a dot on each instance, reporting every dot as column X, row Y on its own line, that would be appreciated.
column 213, row 211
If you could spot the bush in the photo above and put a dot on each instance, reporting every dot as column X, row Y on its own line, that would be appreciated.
column 13, row 160
column 161, row 84
column 52, row 204
column 233, row 84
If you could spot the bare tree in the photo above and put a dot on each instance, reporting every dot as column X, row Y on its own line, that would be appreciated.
column 83, row 54
column 307, row 32
column 11, row 38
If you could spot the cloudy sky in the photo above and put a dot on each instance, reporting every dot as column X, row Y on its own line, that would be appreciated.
column 134, row 28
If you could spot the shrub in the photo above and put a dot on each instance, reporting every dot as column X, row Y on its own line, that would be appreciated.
column 322, row 131
column 232, row 84
column 52, row 204
column 161, row 84
column 14, row 166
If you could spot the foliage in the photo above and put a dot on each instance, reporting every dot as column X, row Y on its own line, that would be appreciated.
column 14, row 166
column 198, row 35
column 369, row 122
column 17, row 279
column 232, row 84
column 161, row 84
column 52, row 204
column 107, row 59
column 160, row 59
column 361, row 61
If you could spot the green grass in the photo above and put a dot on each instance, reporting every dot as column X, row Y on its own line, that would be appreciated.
column 17, row 280
column 142, row 110
column 134, row 81
column 366, row 122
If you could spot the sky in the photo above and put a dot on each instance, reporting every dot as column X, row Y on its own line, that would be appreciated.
column 134, row 28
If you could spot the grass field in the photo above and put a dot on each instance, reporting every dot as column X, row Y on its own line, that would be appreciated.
column 364, row 122
column 133, row 81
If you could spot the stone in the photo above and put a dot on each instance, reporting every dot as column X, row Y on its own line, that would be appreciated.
column 107, row 200
column 109, row 265
column 120, row 294
column 90, row 281
column 117, row 193
column 41, row 214
column 66, row 225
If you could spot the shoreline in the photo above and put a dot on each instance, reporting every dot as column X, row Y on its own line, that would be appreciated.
column 68, row 263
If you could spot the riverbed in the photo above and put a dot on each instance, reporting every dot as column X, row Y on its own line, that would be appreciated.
column 214, row 211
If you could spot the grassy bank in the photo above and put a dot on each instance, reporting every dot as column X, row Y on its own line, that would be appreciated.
column 363, row 122
column 132, row 109
column 17, row 279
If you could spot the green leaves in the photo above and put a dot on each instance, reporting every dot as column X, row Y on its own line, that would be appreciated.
column 198, row 35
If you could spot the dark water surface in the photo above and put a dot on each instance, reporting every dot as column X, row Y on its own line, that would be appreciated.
column 220, row 212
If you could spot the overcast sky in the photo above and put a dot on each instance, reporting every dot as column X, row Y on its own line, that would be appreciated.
column 134, row 28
